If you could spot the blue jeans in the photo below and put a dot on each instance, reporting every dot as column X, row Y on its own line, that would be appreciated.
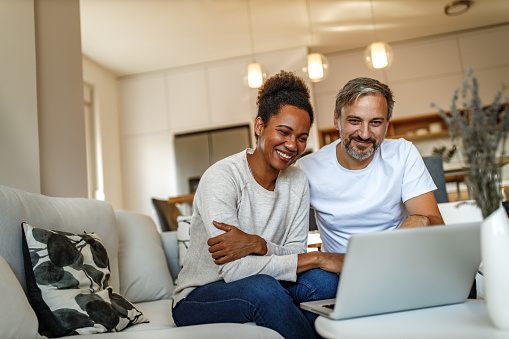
column 260, row 299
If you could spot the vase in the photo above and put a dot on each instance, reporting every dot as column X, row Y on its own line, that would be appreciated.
column 495, row 256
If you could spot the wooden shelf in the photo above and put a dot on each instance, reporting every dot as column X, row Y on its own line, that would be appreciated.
column 412, row 128
column 417, row 127
column 415, row 137
column 400, row 128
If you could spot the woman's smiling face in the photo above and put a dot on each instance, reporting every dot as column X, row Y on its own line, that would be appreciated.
column 283, row 140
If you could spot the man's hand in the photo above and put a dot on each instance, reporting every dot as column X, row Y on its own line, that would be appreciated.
column 234, row 244
column 415, row 221
column 330, row 262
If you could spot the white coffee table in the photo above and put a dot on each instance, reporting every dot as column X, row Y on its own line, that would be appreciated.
column 468, row 320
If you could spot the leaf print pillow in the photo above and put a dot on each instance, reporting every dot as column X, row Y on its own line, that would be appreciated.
column 67, row 278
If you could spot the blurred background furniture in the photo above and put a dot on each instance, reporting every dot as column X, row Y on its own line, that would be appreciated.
column 435, row 166
column 167, row 214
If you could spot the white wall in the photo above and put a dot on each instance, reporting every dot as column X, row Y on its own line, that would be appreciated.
column 60, row 106
column 19, row 135
column 42, row 144
column 106, row 110
column 156, row 106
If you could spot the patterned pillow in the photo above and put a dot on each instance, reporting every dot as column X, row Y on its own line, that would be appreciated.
column 67, row 279
column 183, row 237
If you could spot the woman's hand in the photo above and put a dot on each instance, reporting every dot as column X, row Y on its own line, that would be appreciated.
column 234, row 244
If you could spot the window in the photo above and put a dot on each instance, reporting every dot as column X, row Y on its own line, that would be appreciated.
column 93, row 143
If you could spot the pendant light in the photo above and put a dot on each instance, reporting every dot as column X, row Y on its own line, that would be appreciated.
column 317, row 64
column 254, row 75
column 378, row 54
column 254, row 69
column 457, row 7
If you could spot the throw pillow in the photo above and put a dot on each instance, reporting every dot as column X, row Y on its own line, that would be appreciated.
column 183, row 236
column 67, row 278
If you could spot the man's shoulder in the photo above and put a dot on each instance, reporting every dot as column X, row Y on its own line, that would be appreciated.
column 318, row 156
column 398, row 153
column 396, row 146
column 396, row 142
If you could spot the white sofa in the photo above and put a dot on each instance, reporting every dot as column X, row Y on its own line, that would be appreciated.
column 143, row 265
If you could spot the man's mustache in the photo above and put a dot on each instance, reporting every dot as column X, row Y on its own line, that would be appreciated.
column 357, row 138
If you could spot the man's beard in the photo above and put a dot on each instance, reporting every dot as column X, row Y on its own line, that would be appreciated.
column 347, row 143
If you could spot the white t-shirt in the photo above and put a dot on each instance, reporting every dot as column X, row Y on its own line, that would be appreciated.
column 366, row 200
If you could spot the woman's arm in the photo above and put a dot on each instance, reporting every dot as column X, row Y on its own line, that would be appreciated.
column 234, row 244
column 221, row 196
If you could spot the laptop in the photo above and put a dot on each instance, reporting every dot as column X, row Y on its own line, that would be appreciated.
column 405, row 269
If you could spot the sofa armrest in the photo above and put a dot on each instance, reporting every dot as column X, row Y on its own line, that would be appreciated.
column 170, row 246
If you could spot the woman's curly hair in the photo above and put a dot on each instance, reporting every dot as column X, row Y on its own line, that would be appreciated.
column 284, row 88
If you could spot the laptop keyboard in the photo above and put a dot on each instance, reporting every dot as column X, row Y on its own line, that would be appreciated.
column 331, row 306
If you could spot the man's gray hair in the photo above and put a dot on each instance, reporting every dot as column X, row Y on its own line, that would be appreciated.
column 358, row 87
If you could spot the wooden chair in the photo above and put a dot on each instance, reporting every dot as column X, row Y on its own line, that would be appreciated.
column 167, row 214
column 435, row 167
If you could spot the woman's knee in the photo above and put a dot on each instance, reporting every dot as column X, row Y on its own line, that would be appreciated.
column 263, row 288
column 322, row 283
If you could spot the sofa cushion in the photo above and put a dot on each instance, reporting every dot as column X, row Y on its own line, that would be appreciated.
column 170, row 246
column 18, row 319
column 68, row 284
column 73, row 215
column 144, row 274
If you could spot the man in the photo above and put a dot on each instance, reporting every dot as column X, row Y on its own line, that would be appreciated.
column 361, row 182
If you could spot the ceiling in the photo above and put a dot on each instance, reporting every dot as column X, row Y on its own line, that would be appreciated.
column 137, row 36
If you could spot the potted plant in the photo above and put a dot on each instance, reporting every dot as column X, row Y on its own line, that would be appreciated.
column 482, row 133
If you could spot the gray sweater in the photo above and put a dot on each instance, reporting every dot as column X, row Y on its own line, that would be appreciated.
column 228, row 193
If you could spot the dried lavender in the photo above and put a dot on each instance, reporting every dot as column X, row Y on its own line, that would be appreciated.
column 481, row 131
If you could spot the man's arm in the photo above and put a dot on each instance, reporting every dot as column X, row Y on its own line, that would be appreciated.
column 330, row 262
column 236, row 244
column 423, row 211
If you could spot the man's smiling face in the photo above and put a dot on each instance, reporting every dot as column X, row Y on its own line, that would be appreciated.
column 362, row 127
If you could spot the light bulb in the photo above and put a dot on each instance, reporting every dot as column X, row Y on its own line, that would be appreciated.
column 317, row 67
column 254, row 75
column 378, row 55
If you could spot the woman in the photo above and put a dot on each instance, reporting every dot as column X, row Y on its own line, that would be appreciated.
column 247, row 259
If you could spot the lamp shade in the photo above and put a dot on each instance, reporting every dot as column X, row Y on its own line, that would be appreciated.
column 378, row 55
column 317, row 67
column 254, row 75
